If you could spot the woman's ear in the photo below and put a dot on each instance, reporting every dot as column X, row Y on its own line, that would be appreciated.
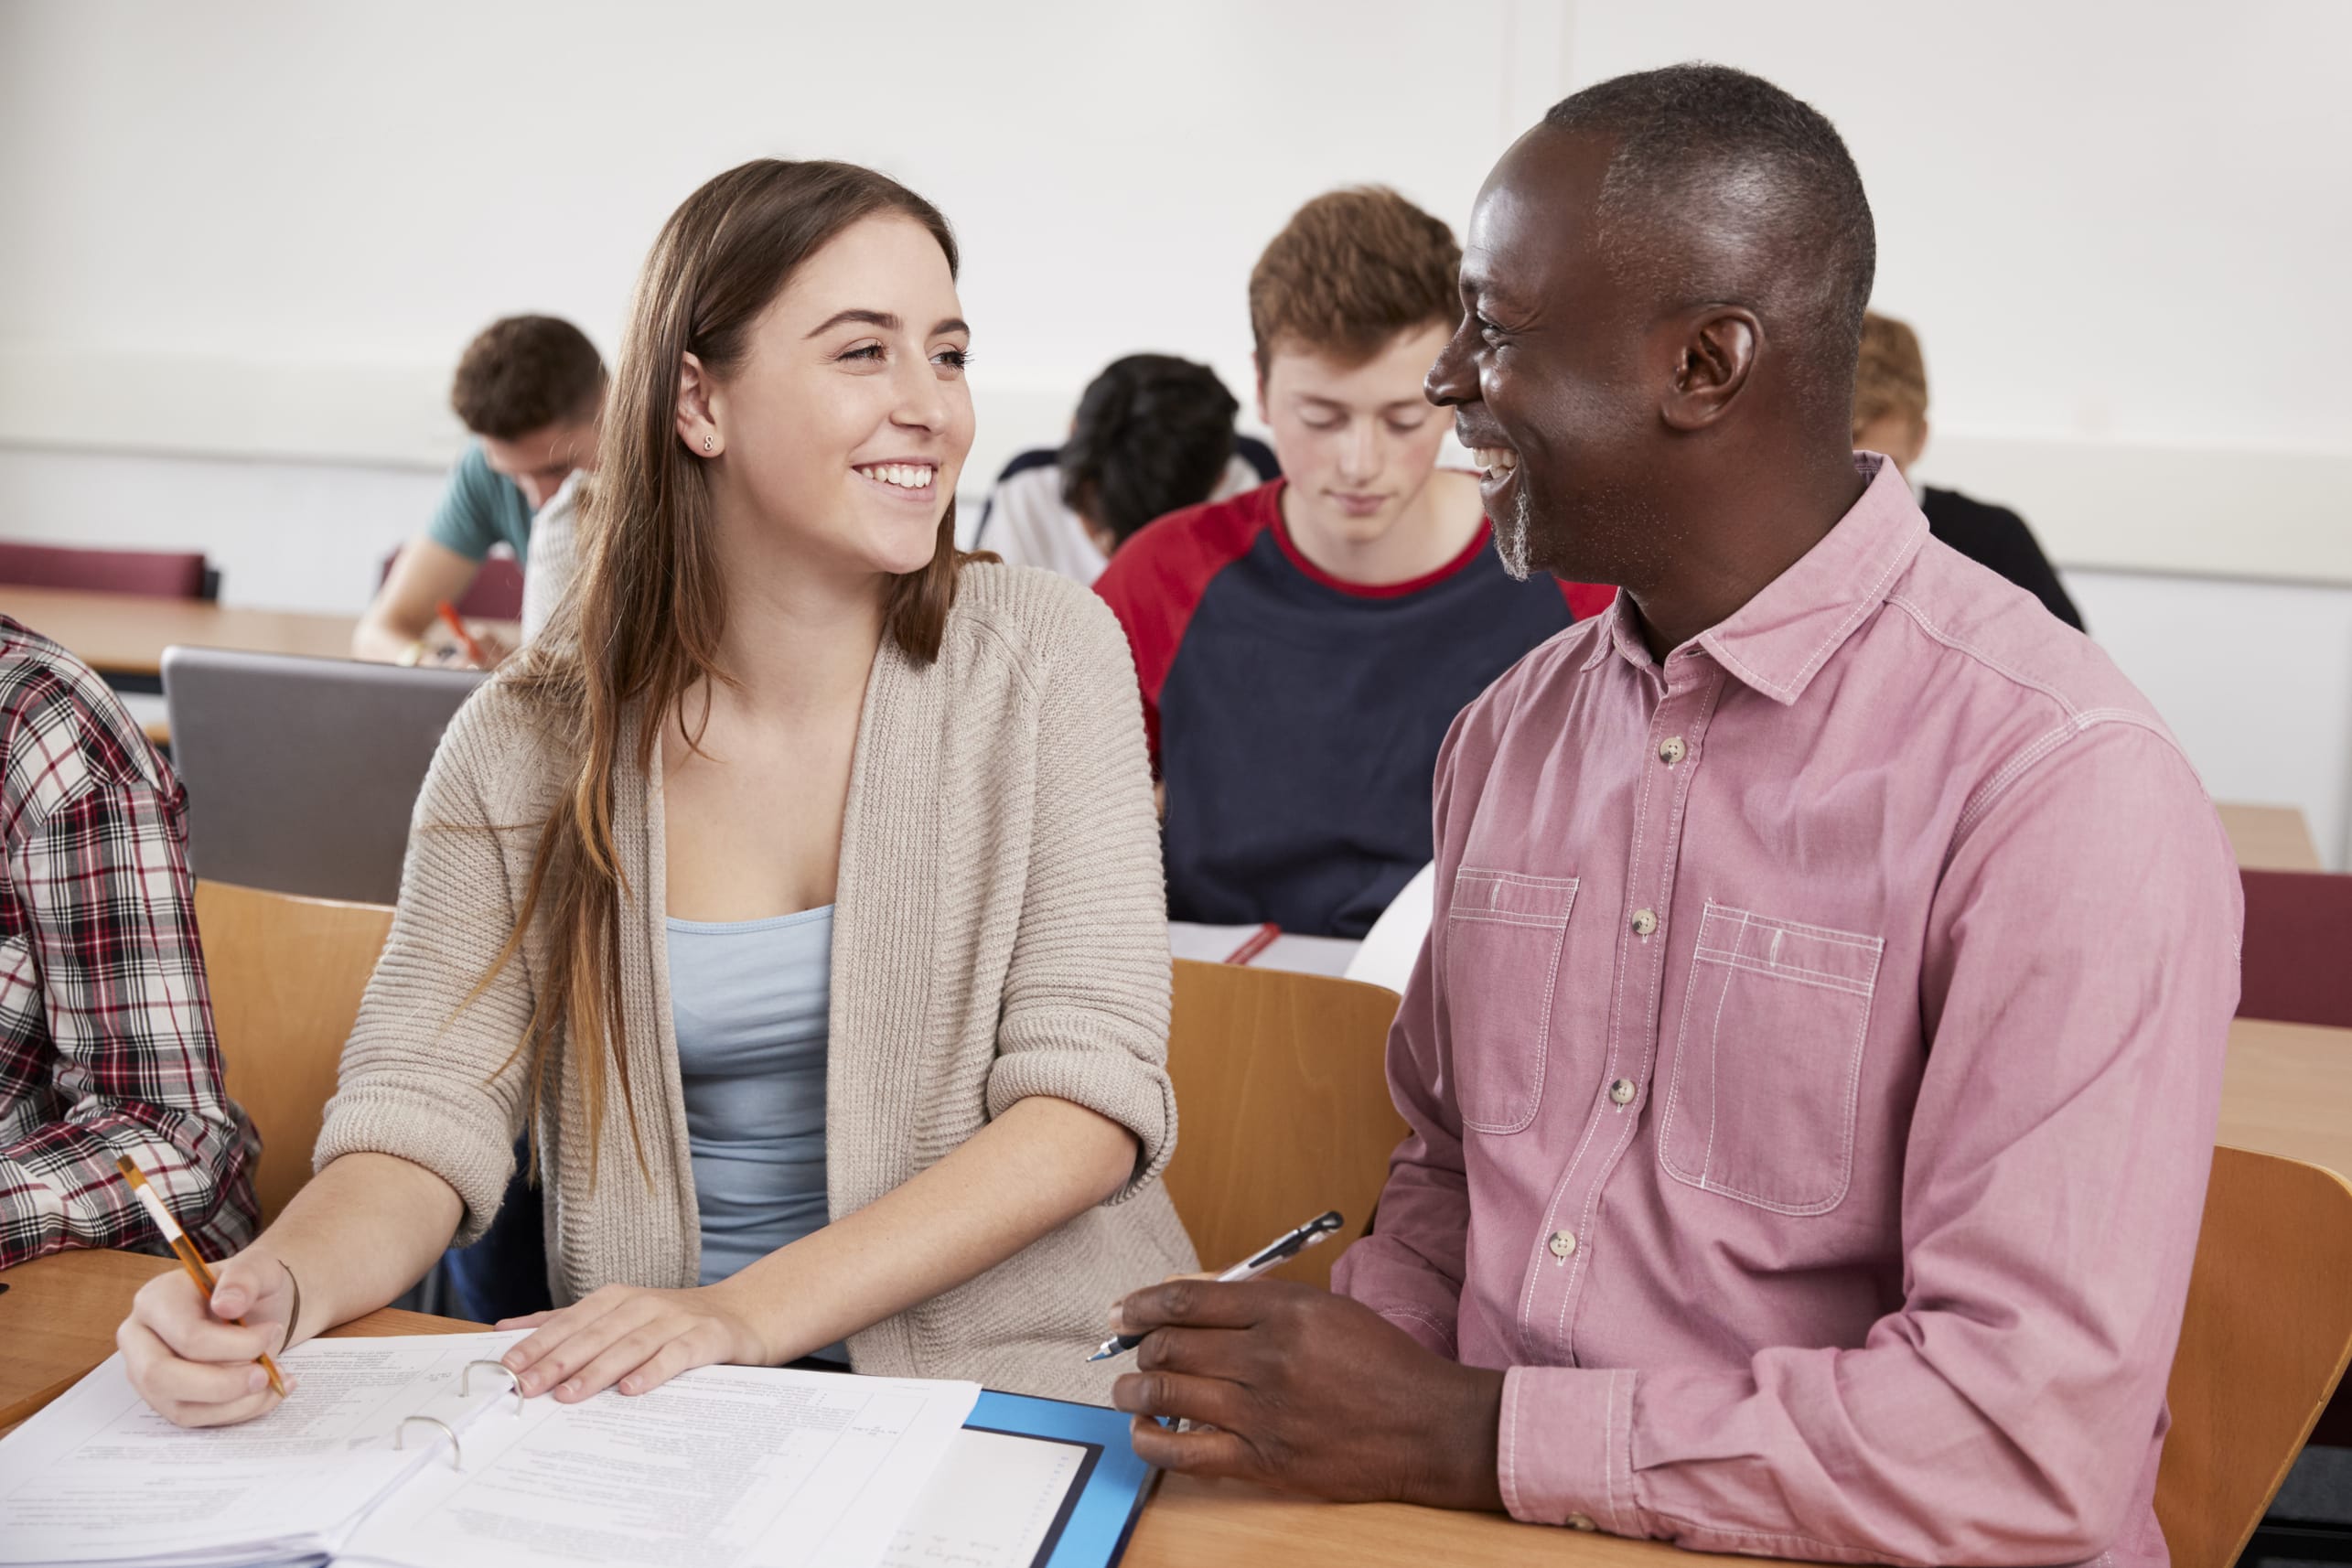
column 698, row 409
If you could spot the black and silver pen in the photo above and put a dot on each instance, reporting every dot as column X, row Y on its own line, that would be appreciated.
column 1273, row 1254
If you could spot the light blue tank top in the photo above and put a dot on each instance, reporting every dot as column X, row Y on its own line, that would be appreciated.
column 748, row 1001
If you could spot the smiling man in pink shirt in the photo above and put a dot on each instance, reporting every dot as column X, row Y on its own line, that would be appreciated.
column 1812, row 1069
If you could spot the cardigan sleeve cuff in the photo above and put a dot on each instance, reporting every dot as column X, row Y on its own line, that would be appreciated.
column 1564, row 1453
column 476, row 1159
column 1108, row 1081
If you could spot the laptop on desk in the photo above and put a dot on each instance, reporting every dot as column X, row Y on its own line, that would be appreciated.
column 301, row 773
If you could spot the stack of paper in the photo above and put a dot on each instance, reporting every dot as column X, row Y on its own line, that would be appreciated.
column 724, row 1467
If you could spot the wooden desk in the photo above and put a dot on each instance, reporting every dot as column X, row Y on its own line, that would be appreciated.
column 125, row 634
column 1190, row 1522
column 58, row 1321
column 2269, row 838
column 57, row 1318
column 2288, row 1091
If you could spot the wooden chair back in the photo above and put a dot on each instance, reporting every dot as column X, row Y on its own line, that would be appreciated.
column 1284, row 1109
column 2267, row 1334
column 287, row 975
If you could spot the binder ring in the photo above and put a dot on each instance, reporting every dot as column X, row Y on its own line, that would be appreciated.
column 466, row 1381
column 400, row 1436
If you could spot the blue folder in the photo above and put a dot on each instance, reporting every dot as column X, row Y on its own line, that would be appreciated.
column 1099, row 1512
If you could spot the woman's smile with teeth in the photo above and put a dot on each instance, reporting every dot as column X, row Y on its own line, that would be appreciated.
column 906, row 476
column 1495, row 459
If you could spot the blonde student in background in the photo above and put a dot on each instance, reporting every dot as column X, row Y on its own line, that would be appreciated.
column 811, row 921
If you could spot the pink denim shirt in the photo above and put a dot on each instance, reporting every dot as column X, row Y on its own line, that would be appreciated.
column 1812, row 1070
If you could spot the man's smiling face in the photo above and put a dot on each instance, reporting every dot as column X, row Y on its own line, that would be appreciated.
column 1548, row 376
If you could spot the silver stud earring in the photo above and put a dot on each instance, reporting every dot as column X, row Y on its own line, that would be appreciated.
column 706, row 443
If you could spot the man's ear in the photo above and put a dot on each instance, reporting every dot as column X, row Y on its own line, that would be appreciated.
column 1711, row 365
column 699, row 409
column 1258, row 380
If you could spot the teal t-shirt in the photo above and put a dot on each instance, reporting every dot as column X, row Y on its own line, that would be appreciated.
column 482, row 507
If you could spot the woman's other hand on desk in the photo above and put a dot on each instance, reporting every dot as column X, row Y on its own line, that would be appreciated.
column 631, row 1338
column 190, row 1359
column 1307, row 1391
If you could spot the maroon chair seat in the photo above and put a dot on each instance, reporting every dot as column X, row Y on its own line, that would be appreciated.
column 155, row 574
column 495, row 594
column 2297, row 965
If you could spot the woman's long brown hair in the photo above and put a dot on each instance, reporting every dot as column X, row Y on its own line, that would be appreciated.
column 643, row 624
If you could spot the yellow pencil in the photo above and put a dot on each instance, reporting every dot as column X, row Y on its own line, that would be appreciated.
column 189, row 1257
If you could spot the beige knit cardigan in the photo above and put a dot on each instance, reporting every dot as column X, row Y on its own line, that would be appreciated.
column 999, row 931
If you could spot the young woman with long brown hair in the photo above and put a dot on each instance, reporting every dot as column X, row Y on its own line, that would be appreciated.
column 799, row 893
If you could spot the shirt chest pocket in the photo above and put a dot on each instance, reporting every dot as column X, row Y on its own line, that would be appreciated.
column 1760, row 1106
column 1503, row 936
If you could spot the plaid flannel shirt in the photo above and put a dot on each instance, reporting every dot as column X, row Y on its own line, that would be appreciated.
column 106, row 1043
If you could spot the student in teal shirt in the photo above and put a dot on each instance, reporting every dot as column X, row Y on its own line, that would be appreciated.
column 483, row 508
column 530, row 388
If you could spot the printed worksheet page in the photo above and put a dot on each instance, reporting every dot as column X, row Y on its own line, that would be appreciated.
column 723, row 1467
column 100, row 1477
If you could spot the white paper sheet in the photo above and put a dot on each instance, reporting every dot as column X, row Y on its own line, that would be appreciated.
column 99, row 1477
column 990, row 1503
column 724, row 1467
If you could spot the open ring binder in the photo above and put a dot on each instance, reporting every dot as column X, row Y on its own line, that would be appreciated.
column 400, row 1436
column 466, row 1381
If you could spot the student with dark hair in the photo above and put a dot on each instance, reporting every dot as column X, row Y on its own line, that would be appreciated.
column 1303, row 647
column 1810, row 1074
column 530, row 389
column 1153, row 434
column 106, row 1043
column 1890, row 415
column 800, row 891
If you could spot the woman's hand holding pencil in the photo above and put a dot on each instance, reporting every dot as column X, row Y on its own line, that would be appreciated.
column 198, row 1343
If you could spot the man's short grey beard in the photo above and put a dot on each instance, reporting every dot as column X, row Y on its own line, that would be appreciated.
column 1510, row 540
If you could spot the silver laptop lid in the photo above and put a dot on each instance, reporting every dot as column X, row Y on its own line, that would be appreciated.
column 301, row 773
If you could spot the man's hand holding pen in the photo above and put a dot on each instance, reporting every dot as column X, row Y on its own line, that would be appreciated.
column 1307, row 1391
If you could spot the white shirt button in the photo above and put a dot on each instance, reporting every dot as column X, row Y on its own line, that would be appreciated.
column 1644, row 922
column 1621, row 1091
column 1581, row 1521
column 1671, row 750
column 1562, row 1242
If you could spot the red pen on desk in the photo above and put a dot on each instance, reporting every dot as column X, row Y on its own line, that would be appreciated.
column 1259, row 941
column 456, row 624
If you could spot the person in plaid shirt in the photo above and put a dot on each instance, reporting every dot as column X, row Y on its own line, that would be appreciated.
column 106, row 1042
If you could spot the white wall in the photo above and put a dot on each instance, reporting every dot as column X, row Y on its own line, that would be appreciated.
column 246, row 238
column 283, row 196
column 2109, row 221
column 2254, row 678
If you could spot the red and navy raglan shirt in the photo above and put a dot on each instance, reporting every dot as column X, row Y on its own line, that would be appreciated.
column 1294, row 718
